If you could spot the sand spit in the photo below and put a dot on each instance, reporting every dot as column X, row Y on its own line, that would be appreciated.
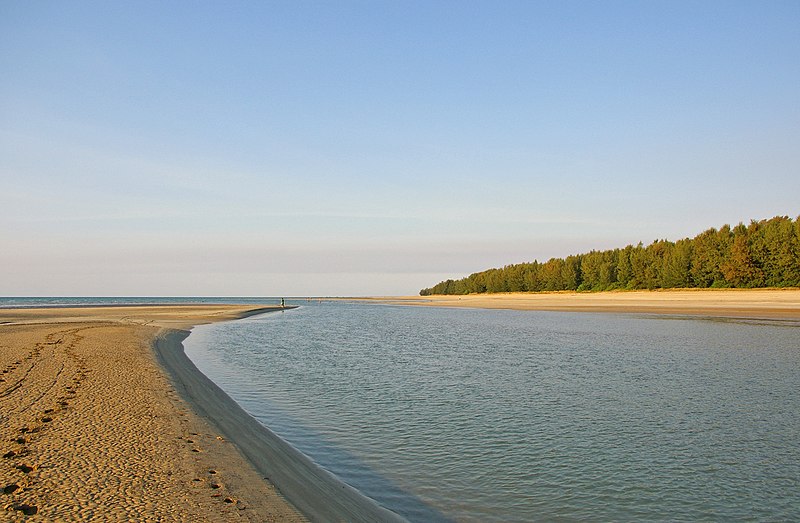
column 777, row 304
column 93, row 429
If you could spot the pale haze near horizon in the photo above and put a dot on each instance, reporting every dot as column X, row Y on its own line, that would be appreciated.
column 375, row 148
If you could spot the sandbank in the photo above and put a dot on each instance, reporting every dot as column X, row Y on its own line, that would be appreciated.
column 774, row 304
column 103, row 417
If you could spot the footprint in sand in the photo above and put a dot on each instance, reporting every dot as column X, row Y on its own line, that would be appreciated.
column 25, row 468
column 9, row 489
column 28, row 510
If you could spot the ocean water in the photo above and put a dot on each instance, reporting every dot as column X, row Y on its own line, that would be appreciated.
column 487, row 415
column 70, row 301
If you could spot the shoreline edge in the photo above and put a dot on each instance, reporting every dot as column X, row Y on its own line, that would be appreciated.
column 312, row 490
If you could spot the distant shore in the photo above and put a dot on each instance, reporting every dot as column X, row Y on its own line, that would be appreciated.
column 780, row 304
column 103, row 416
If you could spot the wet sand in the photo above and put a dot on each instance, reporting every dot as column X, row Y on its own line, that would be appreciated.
column 97, row 423
column 776, row 304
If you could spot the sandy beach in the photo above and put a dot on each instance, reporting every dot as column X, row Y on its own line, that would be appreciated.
column 776, row 304
column 104, row 418
column 92, row 428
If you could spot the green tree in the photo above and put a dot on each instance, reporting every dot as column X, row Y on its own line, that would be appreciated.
column 624, row 269
column 640, row 260
column 590, row 270
column 739, row 269
column 495, row 282
column 571, row 273
column 765, row 253
column 531, row 277
column 775, row 248
column 551, row 275
column 677, row 264
column 515, row 278
column 710, row 251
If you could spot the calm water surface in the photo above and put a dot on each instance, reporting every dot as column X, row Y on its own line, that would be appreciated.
column 81, row 301
column 481, row 416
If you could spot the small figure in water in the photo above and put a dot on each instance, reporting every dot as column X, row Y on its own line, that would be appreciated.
column 283, row 304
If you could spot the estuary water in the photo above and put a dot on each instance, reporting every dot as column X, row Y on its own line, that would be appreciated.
column 492, row 415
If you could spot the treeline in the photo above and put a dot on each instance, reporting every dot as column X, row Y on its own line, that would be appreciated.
column 765, row 253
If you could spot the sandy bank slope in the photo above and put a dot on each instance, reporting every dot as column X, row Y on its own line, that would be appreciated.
column 317, row 493
column 741, row 303
column 92, row 429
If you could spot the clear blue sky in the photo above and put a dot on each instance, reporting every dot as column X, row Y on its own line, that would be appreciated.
column 371, row 147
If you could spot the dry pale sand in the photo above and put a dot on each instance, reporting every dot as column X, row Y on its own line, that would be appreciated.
column 92, row 428
column 782, row 304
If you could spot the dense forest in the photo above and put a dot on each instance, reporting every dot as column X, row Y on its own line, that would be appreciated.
column 765, row 253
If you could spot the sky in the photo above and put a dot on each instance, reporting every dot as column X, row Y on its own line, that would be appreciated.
column 355, row 148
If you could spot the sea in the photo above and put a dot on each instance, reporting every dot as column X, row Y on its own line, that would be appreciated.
column 475, row 415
